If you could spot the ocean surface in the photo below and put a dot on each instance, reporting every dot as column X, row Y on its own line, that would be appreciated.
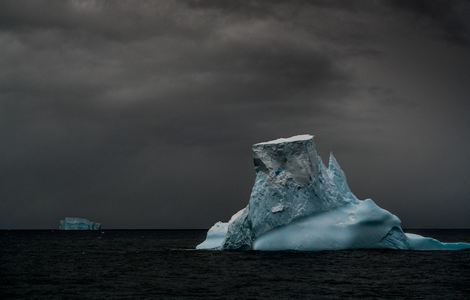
column 160, row 264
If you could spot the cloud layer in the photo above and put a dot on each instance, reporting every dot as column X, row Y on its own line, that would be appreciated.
column 142, row 114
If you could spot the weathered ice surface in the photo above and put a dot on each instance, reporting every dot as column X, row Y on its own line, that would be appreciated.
column 298, row 203
column 78, row 224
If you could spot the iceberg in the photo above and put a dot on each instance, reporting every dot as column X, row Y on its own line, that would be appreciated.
column 70, row 223
column 299, row 203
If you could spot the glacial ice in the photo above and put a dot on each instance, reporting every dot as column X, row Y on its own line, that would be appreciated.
column 298, row 203
column 70, row 223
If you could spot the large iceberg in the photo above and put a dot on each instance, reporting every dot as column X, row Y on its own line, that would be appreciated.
column 78, row 224
column 298, row 203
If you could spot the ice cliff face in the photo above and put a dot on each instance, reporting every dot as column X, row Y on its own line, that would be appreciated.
column 78, row 224
column 297, row 203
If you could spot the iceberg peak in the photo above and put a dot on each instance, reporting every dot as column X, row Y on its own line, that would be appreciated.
column 297, row 203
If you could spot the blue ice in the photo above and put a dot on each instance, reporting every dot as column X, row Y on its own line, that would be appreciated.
column 71, row 223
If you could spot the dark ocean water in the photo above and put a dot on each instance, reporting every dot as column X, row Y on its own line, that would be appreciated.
column 158, row 264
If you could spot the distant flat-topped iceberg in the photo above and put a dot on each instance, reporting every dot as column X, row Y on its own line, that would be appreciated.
column 298, row 203
column 78, row 224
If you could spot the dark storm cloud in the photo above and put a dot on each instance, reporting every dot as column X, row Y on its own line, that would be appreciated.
column 452, row 16
column 142, row 114
column 117, row 20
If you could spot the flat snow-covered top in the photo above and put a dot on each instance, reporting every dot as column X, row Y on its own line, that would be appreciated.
column 294, row 138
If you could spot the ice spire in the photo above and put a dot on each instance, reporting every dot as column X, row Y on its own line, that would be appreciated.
column 339, row 177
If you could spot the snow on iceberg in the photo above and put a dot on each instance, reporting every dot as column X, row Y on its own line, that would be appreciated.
column 298, row 203
column 78, row 224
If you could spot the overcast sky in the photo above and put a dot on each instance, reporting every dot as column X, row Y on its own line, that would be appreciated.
column 141, row 114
